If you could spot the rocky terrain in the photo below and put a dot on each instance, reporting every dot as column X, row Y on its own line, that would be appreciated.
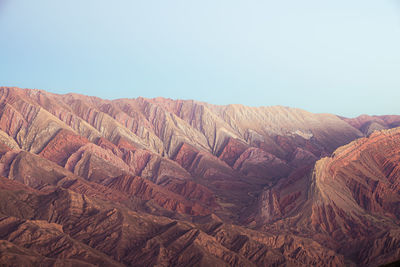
column 160, row 182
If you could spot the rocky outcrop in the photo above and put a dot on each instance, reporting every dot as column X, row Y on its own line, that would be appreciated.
column 351, row 202
column 259, row 163
column 368, row 172
column 62, row 146
column 232, row 151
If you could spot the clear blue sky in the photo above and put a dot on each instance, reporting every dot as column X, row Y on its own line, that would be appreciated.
column 337, row 56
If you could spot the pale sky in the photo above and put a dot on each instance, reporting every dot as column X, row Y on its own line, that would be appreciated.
column 339, row 56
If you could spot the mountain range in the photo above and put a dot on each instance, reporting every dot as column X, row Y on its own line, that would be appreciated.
column 159, row 182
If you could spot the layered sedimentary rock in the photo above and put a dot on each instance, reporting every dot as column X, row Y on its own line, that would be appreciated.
column 350, row 200
column 368, row 124
column 184, row 183
column 70, row 227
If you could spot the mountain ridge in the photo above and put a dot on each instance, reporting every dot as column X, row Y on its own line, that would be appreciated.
column 263, row 185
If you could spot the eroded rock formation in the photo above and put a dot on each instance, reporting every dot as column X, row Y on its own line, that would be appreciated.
column 141, row 182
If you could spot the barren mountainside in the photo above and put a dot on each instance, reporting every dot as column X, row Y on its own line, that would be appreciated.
column 158, row 182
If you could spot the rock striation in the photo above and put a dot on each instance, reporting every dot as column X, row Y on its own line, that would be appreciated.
column 158, row 182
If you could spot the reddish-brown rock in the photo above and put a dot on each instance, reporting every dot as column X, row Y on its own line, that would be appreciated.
column 62, row 146
column 173, row 182
column 232, row 151
column 146, row 190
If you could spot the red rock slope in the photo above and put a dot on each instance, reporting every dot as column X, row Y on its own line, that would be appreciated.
column 163, row 182
column 351, row 203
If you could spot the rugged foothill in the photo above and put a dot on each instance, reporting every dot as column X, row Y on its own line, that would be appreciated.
column 158, row 182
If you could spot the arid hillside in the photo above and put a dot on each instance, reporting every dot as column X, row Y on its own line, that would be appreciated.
column 158, row 182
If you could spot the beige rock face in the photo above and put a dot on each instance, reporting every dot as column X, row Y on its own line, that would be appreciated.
column 161, row 182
